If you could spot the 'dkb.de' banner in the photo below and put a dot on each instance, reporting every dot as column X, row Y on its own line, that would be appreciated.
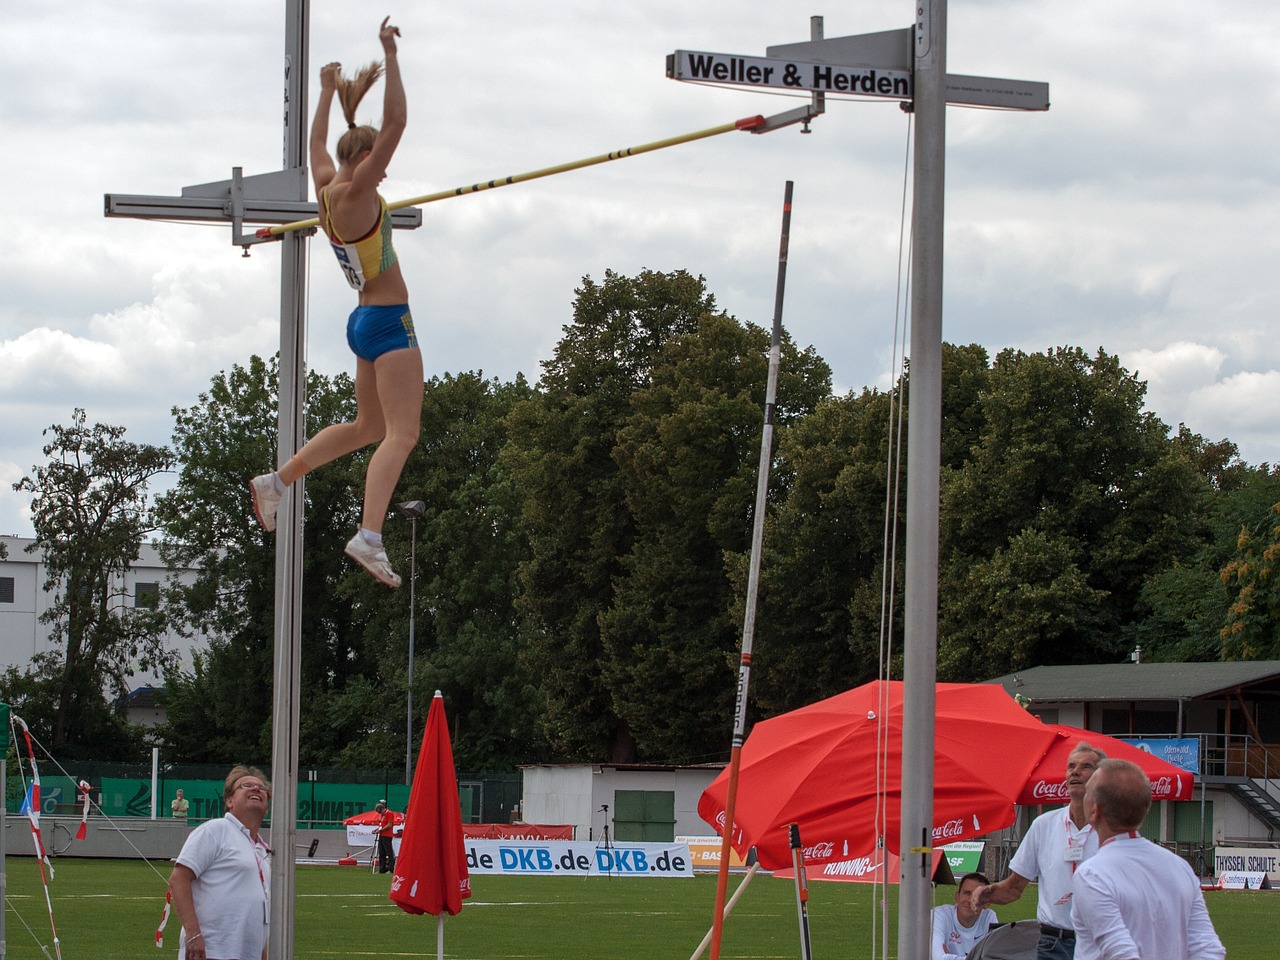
column 566, row 858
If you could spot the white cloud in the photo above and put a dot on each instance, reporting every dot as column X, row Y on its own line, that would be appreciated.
column 1135, row 215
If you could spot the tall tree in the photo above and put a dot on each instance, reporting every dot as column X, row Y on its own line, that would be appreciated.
column 1071, row 497
column 227, row 436
column 1251, row 577
column 91, row 515
column 637, row 466
column 470, row 543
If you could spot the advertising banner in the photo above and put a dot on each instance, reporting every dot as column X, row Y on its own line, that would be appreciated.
column 1183, row 753
column 964, row 857
column 565, row 858
column 519, row 831
column 880, row 867
column 705, row 853
column 1250, row 860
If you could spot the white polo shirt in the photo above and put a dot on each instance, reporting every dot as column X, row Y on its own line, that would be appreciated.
column 1136, row 899
column 1049, row 854
column 231, row 889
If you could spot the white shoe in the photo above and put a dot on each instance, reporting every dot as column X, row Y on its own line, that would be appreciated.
column 373, row 559
column 266, row 500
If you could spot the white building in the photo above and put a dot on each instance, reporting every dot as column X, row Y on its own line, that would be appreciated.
column 23, row 599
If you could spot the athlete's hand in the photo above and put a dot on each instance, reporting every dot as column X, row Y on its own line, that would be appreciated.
column 329, row 75
column 387, row 33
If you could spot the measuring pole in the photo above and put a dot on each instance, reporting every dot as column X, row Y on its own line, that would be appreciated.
column 924, row 445
column 292, row 425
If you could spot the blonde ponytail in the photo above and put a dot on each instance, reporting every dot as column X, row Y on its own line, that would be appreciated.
column 349, row 93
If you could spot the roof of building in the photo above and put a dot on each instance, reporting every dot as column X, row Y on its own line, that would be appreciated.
column 1141, row 681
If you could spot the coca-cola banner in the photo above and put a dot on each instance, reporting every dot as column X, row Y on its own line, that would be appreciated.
column 877, row 867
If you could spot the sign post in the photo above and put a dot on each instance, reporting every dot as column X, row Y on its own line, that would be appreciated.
column 909, row 66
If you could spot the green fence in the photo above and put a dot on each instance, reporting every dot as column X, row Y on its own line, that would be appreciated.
column 124, row 791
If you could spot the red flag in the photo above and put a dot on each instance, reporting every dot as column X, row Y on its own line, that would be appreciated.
column 431, row 870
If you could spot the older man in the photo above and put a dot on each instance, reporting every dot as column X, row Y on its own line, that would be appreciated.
column 1056, row 844
column 1135, row 899
column 222, row 881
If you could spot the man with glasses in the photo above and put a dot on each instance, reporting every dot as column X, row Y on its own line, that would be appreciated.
column 222, row 881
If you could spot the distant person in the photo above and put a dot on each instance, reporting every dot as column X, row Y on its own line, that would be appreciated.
column 1056, row 844
column 386, row 834
column 958, row 926
column 180, row 805
column 389, row 381
column 1135, row 899
column 222, row 881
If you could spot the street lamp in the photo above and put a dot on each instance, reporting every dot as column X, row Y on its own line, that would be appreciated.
column 415, row 510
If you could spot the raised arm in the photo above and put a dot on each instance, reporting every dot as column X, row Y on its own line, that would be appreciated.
column 322, row 166
column 370, row 171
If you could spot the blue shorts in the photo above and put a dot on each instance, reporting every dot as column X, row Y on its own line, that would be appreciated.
column 373, row 331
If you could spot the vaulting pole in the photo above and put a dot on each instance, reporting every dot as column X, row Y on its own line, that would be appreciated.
column 753, row 579
column 746, row 123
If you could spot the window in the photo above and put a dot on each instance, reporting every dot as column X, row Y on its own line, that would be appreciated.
column 146, row 595
column 6, row 589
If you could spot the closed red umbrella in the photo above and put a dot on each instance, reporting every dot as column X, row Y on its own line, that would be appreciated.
column 431, row 870
column 816, row 766
column 1047, row 783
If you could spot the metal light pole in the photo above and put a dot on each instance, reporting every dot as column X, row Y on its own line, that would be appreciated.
column 415, row 510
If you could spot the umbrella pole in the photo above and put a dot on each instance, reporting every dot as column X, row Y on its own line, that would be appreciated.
column 440, row 935
column 753, row 577
column 728, row 908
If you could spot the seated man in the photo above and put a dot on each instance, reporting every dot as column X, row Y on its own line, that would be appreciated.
column 958, row 926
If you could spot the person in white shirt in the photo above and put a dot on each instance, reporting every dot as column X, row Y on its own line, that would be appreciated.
column 958, row 926
column 221, row 884
column 1056, row 844
column 1135, row 900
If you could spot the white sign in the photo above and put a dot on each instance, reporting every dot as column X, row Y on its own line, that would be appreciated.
column 569, row 858
column 788, row 74
column 1247, row 860
column 888, row 82
column 1243, row 881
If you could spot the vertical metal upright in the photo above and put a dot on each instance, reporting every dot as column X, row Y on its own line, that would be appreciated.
column 924, row 456
column 292, row 426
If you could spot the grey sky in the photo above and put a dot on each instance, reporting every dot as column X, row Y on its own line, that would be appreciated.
column 1138, row 214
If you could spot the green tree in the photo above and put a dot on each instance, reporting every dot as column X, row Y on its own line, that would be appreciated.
column 470, row 544
column 1068, row 463
column 1252, row 623
column 1185, row 605
column 635, row 461
column 221, row 710
column 91, row 516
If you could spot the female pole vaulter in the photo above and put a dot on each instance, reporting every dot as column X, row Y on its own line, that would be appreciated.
column 389, row 383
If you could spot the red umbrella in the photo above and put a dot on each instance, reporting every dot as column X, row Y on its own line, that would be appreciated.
column 1047, row 783
column 431, row 871
column 816, row 766
column 371, row 818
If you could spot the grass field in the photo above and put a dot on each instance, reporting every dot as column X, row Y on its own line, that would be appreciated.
column 108, row 909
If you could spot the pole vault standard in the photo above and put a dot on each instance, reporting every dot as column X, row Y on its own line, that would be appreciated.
column 909, row 66
column 280, row 197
